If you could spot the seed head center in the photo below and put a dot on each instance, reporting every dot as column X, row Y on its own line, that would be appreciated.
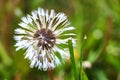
column 46, row 38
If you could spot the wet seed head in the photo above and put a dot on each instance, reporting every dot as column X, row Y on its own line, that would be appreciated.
column 46, row 39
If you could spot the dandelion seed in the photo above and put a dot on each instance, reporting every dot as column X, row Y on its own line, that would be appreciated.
column 43, row 35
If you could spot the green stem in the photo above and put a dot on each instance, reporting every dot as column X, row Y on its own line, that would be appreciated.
column 81, row 50
column 81, row 56
column 4, row 56
column 72, row 58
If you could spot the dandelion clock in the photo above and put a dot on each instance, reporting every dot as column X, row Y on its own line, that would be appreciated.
column 44, row 35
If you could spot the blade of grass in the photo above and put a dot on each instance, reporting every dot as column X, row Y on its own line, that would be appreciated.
column 81, row 54
column 85, row 76
column 4, row 56
column 81, row 50
column 70, row 45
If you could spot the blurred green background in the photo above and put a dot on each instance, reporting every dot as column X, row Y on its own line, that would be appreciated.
column 99, row 20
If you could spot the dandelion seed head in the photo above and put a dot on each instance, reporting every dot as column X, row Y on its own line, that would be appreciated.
column 43, row 35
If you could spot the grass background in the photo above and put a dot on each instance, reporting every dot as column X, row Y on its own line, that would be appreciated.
column 99, row 20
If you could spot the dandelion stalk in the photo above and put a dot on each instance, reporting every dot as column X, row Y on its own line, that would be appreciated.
column 51, row 74
column 72, row 59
